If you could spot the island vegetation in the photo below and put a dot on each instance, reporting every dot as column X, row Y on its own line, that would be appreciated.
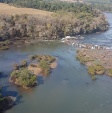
column 98, row 62
column 23, row 77
column 25, row 74
column 65, row 19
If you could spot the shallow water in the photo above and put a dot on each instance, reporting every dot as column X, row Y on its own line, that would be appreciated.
column 68, row 89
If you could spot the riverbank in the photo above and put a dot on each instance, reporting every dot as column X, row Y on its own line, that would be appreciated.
column 52, row 26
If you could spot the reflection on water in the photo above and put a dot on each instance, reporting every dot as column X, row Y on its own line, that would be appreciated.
column 69, row 88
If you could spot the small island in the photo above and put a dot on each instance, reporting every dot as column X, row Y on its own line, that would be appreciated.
column 25, row 74
column 98, row 61
column 6, row 102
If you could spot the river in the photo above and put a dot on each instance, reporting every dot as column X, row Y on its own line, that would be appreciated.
column 69, row 88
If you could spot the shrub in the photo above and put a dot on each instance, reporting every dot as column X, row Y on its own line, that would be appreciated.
column 96, row 69
column 15, row 66
column 47, row 58
column 83, row 59
column 33, row 57
column 91, row 70
column 24, row 77
column 45, row 67
column 23, row 64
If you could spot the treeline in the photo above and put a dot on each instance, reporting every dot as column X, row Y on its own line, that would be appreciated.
column 54, row 5
column 49, row 27
column 50, row 5
column 67, row 19
column 99, row 1
column 103, row 7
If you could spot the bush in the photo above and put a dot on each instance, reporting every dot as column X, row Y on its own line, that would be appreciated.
column 96, row 69
column 33, row 57
column 82, row 58
column 15, row 66
column 45, row 67
column 23, row 77
column 23, row 64
column 47, row 58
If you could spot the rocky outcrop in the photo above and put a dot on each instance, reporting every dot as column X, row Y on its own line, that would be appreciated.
column 98, row 61
column 75, row 41
column 6, row 103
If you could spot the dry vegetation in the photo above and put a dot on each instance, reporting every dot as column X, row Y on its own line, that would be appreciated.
column 27, row 25
column 97, row 61
column 11, row 10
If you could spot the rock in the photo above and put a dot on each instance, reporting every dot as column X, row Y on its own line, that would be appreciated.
column 10, row 101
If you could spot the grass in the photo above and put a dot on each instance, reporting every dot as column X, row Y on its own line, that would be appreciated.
column 11, row 10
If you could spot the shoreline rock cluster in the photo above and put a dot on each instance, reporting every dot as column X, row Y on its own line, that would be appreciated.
column 75, row 41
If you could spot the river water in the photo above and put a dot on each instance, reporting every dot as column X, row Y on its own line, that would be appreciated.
column 69, row 88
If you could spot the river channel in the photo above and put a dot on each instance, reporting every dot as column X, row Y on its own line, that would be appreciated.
column 69, row 88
